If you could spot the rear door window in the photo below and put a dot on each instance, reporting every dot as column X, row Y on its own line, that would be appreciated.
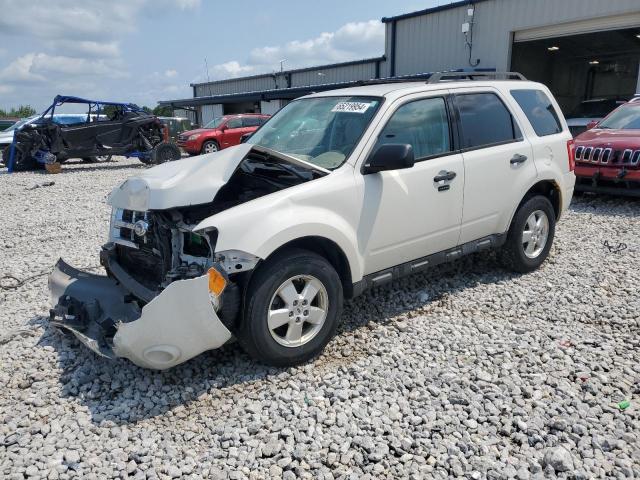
column 251, row 122
column 485, row 121
column 538, row 108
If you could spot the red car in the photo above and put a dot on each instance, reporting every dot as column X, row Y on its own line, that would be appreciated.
column 220, row 133
column 608, row 154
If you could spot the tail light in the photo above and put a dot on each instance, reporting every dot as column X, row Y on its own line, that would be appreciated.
column 165, row 133
column 571, row 151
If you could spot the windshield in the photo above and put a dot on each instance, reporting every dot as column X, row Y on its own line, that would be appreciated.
column 625, row 118
column 20, row 123
column 595, row 109
column 322, row 130
column 215, row 123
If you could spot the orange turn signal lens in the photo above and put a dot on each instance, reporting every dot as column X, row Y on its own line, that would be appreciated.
column 217, row 281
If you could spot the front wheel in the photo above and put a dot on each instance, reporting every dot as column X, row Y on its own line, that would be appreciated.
column 293, row 305
column 22, row 161
column 210, row 146
column 530, row 236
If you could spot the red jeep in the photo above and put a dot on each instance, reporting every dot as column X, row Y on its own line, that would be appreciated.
column 608, row 154
column 220, row 133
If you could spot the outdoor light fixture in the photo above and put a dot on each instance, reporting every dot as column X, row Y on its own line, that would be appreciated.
column 553, row 49
column 594, row 62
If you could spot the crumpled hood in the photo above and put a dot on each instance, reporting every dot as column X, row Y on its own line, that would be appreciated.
column 191, row 181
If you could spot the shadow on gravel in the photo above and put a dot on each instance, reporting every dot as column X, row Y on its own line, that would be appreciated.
column 123, row 393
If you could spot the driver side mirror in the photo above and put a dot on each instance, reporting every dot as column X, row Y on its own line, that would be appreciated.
column 592, row 124
column 390, row 156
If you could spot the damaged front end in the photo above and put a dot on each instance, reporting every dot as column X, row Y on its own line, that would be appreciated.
column 165, row 298
column 168, row 295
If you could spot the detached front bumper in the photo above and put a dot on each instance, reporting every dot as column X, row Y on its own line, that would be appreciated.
column 174, row 326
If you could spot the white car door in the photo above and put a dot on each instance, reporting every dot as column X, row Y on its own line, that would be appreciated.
column 498, row 162
column 414, row 212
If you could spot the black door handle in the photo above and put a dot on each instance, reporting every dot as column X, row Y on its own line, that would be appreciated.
column 444, row 176
column 517, row 159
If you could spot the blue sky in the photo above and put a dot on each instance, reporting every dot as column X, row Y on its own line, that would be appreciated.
column 148, row 50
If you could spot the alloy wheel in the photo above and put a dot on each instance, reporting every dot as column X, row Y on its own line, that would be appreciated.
column 298, row 310
column 535, row 234
column 210, row 148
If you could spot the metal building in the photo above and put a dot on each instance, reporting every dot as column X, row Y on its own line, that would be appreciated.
column 582, row 49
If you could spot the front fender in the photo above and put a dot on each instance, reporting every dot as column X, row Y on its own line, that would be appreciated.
column 261, row 231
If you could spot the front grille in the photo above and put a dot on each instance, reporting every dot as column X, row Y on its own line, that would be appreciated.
column 123, row 224
column 183, row 138
column 146, row 257
column 608, row 156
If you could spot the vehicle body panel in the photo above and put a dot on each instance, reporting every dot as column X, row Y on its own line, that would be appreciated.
column 176, row 325
column 192, row 181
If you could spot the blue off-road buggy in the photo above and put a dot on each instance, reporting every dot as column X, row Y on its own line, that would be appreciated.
column 103, row 130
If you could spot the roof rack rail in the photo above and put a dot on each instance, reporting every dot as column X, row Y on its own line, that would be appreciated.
column 453, row 76
column 403, row 79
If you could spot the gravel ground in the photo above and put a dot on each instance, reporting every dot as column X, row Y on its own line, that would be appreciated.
column 466, row 371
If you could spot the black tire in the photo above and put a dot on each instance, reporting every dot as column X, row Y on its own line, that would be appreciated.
column 21, row 162
column 97, row 159
column 254, row 333
column 514, row 255
column 210, row 146
column 165, row 152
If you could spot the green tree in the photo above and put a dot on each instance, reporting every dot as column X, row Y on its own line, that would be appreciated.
column 163, row 111
column 21, row 112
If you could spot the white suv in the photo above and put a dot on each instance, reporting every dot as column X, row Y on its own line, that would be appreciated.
column 340, row 191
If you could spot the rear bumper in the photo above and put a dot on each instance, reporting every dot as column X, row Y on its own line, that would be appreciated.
column 173, row 327
column 608, row 180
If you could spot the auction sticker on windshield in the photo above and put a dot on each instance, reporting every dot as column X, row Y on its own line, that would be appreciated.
column 352, row 107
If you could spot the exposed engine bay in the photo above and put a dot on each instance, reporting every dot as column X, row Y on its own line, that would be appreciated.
column 158, row 247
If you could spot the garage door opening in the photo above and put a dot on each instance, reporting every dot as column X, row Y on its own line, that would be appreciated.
column 600, row 65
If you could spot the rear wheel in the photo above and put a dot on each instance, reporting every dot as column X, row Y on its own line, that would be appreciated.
column 530, row 236
column 292, row 309
column 165, row 152
column 210, row 146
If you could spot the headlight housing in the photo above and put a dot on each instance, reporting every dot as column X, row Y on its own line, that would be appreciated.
column 194, row 136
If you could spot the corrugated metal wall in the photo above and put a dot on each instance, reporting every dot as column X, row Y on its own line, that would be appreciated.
column 435, row 42
column 247, row 84
column 209, row 112
column 320, row 75
column 297, row 78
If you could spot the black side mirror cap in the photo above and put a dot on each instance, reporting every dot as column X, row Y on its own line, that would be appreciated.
column 389, row 156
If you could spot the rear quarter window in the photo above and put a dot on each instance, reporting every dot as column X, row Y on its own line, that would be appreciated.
column 538, row 108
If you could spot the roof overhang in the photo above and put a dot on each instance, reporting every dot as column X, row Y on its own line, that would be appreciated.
column 427, row 11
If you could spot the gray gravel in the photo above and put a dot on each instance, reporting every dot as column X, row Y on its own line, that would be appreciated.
column 467, row 371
